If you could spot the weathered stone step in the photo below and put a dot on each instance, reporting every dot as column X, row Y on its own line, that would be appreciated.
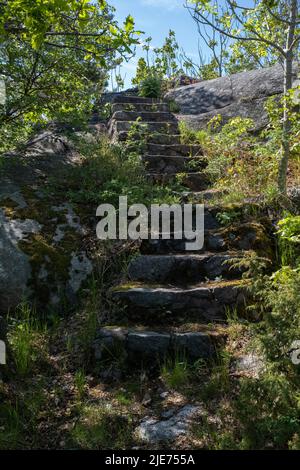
column 121, row 98
column 211, row 221
column 245, row 236
column 194, row 181
column 171, row 164
column 142, row 347
column 215, row 216
column 149, row 116
column 202, row 196
column 115, row 127
column 140, row 107
column 184, row 268
column 208, row 302
column 155, row 138
column 174, row 149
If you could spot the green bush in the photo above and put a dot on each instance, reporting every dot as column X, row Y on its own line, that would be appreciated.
column 151, row 87
column 289, row 241
column 240, row 163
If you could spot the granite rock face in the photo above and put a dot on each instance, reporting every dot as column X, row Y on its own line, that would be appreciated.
column 42, row 257
column 243, row 94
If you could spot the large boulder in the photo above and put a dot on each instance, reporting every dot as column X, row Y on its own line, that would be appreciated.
column 242, row 94
column 43, row 255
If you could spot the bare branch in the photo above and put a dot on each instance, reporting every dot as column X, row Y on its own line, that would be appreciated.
column 279, row 18
column 199, row 17
column 75, row 33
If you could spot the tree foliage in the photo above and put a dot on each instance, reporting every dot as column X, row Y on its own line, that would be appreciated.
column 55, row 54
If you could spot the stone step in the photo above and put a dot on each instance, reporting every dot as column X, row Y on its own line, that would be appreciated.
column 116, row 127
column 140, row 107
column 211, row 218
column 154, row 304
column 174, row 149
column 202, row 196
column 184, row 268
column 171, row 164
column 249, row 236
column 133, row 98
column 142, row 347
column 149, row 116
column 155, row 138
column 211, row 222
column 194, row 181
column 121, row 98
column 215, row 215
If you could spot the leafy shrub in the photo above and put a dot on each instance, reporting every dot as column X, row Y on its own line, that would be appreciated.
column 240, row 163
column 282, row 302
column 289, row 240
column 151, row 87
column 263, row 412
column 267, row 411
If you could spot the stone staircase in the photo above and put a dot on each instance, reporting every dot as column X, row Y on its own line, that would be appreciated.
column 176, row 301
column 164, row 155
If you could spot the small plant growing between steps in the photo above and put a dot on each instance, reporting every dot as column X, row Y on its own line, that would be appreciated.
column 175, row 372
column 137, row 137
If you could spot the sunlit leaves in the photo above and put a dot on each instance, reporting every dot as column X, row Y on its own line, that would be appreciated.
column 55, row 55
column 129, row 24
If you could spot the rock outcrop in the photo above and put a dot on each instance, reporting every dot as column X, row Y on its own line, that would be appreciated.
column 42, row 252
column 243, row 94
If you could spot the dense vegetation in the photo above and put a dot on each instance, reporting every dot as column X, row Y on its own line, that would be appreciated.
column 55, row 57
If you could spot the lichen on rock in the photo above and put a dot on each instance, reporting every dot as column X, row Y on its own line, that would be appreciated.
column 42, row 257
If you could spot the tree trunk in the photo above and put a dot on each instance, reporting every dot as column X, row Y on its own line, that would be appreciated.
column 286, row 125
column 288, row 83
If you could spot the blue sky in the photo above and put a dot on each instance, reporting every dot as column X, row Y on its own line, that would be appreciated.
column 155, row 18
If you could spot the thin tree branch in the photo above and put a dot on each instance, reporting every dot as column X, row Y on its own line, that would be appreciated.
column 199, row 17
